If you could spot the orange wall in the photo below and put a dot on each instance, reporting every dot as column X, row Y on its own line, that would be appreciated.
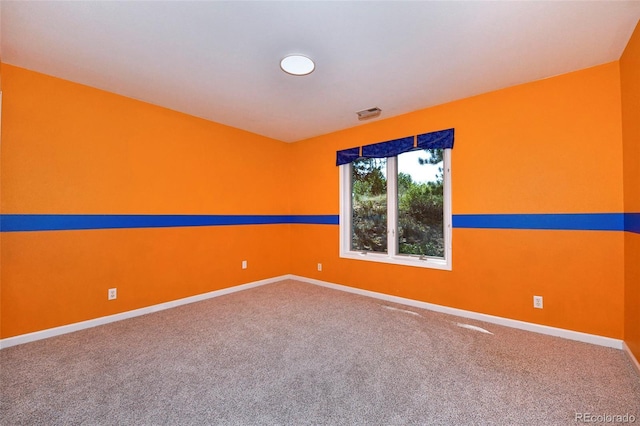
column 533, row 148
column 69, row 148
column 551, row 146
column 0, row 192
column 630, row 83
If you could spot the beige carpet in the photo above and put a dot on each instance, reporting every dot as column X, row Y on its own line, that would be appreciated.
column 295, row 353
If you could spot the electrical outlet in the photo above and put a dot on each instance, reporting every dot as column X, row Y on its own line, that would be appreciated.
column 319, row 266
column 244, row 264
column 112, row 294
column 537, row 302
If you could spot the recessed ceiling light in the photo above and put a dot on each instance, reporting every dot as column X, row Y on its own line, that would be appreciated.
column 297, row 65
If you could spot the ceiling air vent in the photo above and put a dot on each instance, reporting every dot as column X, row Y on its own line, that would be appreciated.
column 366, row 114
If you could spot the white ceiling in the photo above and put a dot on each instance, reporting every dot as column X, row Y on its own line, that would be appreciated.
column 220, row 60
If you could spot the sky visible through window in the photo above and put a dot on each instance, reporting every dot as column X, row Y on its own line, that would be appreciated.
column 420, row 173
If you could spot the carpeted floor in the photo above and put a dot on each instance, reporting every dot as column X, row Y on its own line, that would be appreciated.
column 294, row 353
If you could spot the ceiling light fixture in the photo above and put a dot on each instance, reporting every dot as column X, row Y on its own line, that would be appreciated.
column 297, row 65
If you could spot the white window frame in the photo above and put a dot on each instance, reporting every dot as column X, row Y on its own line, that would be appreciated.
column 392, row 212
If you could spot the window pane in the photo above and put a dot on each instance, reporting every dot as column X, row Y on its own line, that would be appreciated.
column 420, row 203
column 369, row 205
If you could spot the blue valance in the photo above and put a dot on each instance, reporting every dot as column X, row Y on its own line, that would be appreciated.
column 347, row 156
column 442, row 139
column 388, row 149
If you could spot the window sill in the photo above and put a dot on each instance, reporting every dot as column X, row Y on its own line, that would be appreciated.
column 414, row 261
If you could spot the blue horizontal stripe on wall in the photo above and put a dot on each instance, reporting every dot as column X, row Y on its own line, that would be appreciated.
column 632, row 222
column 329, row 219
column 562, row 221
column 68, row 222
column 629, row 222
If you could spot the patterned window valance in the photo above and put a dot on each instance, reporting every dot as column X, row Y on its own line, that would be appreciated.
column 442, row 139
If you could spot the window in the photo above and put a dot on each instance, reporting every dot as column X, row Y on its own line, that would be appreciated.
column 398, row 209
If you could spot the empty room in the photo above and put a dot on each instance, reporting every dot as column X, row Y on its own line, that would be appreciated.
column 359, row 212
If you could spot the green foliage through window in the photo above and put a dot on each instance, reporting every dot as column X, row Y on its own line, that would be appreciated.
column 369, row 205
column 420, row 215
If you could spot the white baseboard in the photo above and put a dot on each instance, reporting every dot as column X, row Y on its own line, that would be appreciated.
column 633, row 359
column 536, row 328
column 57, row 331
column 522, row 325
